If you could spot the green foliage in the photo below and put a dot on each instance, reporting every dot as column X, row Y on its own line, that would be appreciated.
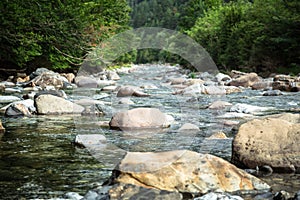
column 261, row 36
column 58, row 32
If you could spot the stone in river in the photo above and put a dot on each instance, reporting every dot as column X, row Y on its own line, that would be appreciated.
column 269, row 141
column 126, row 91
column 140, row 118
column 188, row 127
column 20, row 108
column 185, row 172
column 219, row 105
column 8, row 99
column 50, row 104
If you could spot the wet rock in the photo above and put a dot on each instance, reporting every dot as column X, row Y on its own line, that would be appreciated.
column 7, row 84
column 188, row 127
column 112, row 75
column 20, row 108
column 49, row 78
column 86, row 82
column 69, row 76
column 219, row 105
column 58, row 93
column 236, row 74
column 272, row 93
column 282, row 195
column 219, row 196
column 177, row 81
column 286, row 83
column 50, row 104
column 232, row 115
column 23, row 79
column 90, row 139
column 140, row 118
column 268, row 141
column 128, row 191
column 185, row 172
column 2, row 129
column 248, row 109
column 193, row 81
column 38, row 72
column 232, row 89
column 73, row 196
column 127, row 91
column 13, row 90
column 109, row 88
column 246, row 80
column 220, row 78
column 8, row 99
column 262, row 85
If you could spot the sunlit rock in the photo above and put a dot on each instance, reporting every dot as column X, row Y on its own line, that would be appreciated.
column 127, row 91
column 140, row 118
column 269, row 141
column 185, row 172
column 50, row 104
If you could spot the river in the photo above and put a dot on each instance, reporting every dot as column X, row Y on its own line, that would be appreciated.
column 39, row 160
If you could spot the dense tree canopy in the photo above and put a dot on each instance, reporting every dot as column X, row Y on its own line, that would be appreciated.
column 56, row 33
column 259, row 35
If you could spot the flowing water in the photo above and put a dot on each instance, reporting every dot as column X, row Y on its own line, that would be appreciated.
column 39, row 160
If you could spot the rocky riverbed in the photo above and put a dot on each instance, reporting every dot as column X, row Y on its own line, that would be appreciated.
column 156, row 131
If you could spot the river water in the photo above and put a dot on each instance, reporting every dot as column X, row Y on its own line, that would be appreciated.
column 39, row 160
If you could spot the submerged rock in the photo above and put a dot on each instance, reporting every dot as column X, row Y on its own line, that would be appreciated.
column 268, row 141
column 185, row 172
column 219, row 105
column 140, row 118
column 50, row 104
column 188, row 127
column 248, row 109
column 272, row 93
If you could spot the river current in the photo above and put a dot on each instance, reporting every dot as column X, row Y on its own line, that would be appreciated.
column 38, row 158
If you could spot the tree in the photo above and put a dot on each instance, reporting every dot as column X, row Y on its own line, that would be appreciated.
column 57, row 33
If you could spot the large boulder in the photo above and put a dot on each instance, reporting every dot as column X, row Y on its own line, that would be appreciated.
column 185, row 172
column 246, row 80
column 140, row 118
column 269, row 141
column 127, row 91
column 50, row 104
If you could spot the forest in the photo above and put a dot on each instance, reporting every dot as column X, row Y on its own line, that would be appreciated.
column 247, row 35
